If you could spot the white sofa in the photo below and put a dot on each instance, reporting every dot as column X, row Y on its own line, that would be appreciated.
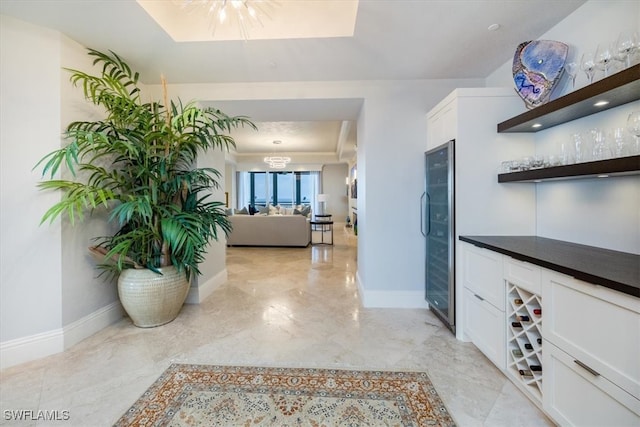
column 269, row 230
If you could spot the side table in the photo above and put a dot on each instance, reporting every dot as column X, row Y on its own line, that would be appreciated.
column 322, row 227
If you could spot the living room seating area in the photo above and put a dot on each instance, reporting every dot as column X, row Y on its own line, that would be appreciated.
column 270, row 227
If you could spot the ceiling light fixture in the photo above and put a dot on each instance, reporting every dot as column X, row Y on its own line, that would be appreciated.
column 243, row 13
column 601, row 103
column 277, row 162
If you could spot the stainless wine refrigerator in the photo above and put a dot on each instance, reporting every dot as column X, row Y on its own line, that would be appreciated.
column 438, row 227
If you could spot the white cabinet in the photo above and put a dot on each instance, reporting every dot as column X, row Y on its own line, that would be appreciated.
column 484, row 301
column 573, row 396
column 485, row 327
column 524, row 274
column 573, row 347
column 441, row 124
column 595, row 333
column 482, row 274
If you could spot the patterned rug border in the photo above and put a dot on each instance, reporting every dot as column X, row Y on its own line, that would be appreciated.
column 159, row 403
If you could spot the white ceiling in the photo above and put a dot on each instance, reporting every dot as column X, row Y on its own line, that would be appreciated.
column 393, row 40
column 191, row 20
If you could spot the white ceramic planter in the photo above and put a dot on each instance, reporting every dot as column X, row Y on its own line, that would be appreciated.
column 152, row 299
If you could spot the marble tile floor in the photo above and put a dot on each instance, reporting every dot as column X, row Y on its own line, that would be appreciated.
column 295, row 307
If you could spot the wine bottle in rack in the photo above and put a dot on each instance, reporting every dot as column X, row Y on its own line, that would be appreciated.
column 536, row 368
column 516, row 352
column 523, row 318
column 518, row 301
column 516, row 324
column 539, row 340
column 528, row 346
column 525, row 372
column 537, row 311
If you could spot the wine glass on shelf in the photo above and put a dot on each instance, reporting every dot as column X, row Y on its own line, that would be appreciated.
column 604, row 57
column 588, row 65
column 633, row 126
column 626, row 46
column 572, row 71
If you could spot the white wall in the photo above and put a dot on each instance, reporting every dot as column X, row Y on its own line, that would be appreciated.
column 213, row 268
column 31, row 286
column 595, row 212
column 333, row 184
column 230, row 183
column 50, row 297
column 82, row 294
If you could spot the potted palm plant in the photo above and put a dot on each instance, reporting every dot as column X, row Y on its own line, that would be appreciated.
column 139, row 163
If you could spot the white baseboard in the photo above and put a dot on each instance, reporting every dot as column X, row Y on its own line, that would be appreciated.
column 94, row 322
column 21, row 350
column 390, row 299
column 29, row 348
column 199, row 293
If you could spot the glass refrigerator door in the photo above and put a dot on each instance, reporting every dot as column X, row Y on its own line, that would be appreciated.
column 439, row 232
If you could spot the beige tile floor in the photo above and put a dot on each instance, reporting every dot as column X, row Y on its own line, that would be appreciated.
column 280, row 307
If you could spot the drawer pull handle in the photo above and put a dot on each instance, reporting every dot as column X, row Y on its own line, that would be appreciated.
column 586, row 368
column 479, row 297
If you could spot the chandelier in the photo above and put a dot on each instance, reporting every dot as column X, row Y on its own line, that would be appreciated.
column 277, row 162
column 243, row 13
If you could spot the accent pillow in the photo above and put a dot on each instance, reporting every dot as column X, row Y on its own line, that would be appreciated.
column 263, row 210
column 228, row 212
column 242, row 211
column 287, row 211
column 306, row 210
column 274, row 210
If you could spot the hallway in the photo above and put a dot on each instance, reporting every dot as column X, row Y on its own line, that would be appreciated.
column 295, row 307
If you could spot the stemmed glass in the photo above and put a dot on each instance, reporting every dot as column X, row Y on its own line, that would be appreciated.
column 572, row 70
column 604, row 57
column 626, row 46
column 633, row 126
column 588, row 65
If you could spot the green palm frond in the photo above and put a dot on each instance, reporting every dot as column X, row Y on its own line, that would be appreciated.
column 138, row 163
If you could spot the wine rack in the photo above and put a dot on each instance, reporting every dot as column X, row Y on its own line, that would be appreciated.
column 524, row 339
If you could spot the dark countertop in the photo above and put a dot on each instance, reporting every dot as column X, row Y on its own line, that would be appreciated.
column 612, row 269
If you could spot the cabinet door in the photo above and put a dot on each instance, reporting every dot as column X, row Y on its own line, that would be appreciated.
column 482, row 274
column 523, row 274
column 572, row 396
column 485, row 326
column 598, row 326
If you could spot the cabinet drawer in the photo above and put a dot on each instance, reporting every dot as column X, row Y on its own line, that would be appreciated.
column 572, row 396
column 598, row 326
column 522, row 274
column 485, row 326
column 482, row 274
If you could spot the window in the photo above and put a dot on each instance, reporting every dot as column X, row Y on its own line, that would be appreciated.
column 277, row 188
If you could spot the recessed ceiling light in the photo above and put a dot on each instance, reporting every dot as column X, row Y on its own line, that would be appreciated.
column 277, row 141
column 600, row 103
column 603, row 176
column 536, row 125
column 493, row 27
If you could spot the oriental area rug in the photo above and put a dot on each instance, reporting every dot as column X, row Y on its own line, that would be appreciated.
column 204, row 395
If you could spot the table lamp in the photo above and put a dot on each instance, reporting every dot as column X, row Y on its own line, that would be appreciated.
column 322, row 199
